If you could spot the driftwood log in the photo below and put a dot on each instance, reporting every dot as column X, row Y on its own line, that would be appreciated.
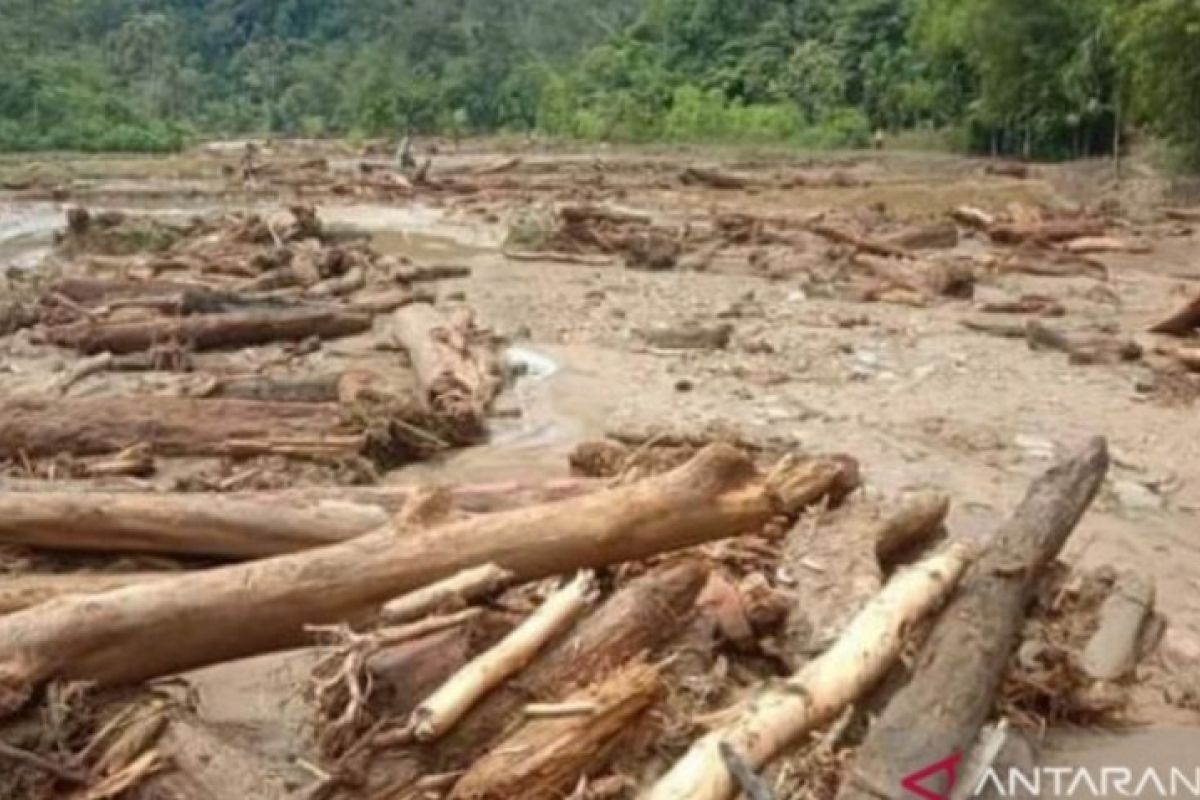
column 544, row 758
column 781, row 714
column 1113, row 650
column 210, row 331
column 22, row 591
column 186, row 524
column 222, row 614
column 84, row 426
column 838, row 571
column 940, row 711
column 1183, row 322
column 457, row 367
column 642, row 617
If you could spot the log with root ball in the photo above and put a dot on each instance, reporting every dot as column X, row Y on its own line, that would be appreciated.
column 169, row 626
column 210, row 331
column 457, row 367
column 940, row 711
column 779, row 715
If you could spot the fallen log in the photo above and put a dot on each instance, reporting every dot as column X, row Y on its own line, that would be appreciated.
column 716, row 179
column 780, row 714
column 872, row 246
column 475, row 498
column 1105, row 244
column 1182, row 214
column 1112, row 652
column 1183, row 322
column 183, row 524
column 1040, row 305
column 172, row 426
column 1082, row 348
column 544, row 758
column 972, row 217
column 561, row 257
column 25, row 590
column 1050, row 232
column 939, row 712
column 453, row 594
column 439, row 712
column 456, row 365
column 838, row 571
column 642, row 617
column 210, row 331
column 174, row 625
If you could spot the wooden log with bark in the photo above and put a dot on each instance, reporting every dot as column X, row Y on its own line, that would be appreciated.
column 210, row 331
column 169, row 626
column 713, row 178
column 642, row 617
column 779, row 715
column 457, row 367
column 1183, row 322
column 182, row 524
column 1048, row 232
column 940, row 711
column 1112, row 651
column 837, row 571
column 544, row 758
column 173, row 426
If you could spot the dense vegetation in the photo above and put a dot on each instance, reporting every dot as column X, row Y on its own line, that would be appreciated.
column 1050, row 78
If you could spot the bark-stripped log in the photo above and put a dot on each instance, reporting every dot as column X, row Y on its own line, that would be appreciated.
column 227, row 613
column 186, row 524
column 210, row 331
column 1112, row 652
column 457, row 367
column 642, row 617
column 838, row 569
column 941, row 709
column 781, row 714
column 441, row 710
column 474, row 498
column 544, row 758
column 18, row 592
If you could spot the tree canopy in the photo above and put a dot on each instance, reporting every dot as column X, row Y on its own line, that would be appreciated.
column 1043, row 78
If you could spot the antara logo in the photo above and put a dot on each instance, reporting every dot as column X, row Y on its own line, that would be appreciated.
column 915, row 781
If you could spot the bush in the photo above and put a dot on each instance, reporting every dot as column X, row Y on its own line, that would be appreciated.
column 843, row 127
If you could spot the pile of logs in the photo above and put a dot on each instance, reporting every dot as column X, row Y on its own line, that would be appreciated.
column 540, row 641
column 223, row 340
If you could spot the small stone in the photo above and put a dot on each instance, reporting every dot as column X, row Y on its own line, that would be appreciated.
column 1136, row 496
column 684, row 385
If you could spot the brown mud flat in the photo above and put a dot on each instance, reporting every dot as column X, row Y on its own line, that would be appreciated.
column 651, row 571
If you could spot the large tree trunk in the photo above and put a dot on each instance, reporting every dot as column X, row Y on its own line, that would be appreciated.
column 222, row 614
column 18, row 592
column 475, row 498
column 940, row 711
column 457, row 367
column 172, row 426
column 188, row 524
column 210, row 331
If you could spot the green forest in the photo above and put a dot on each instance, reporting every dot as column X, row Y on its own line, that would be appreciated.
column 1034, row 78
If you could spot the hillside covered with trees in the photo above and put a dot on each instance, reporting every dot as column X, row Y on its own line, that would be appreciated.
column 1044, row 78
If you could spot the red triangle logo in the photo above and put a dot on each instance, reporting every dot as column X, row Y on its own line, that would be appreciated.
column 948, row 765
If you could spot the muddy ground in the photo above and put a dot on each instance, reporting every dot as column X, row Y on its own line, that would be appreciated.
column 920, row 400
